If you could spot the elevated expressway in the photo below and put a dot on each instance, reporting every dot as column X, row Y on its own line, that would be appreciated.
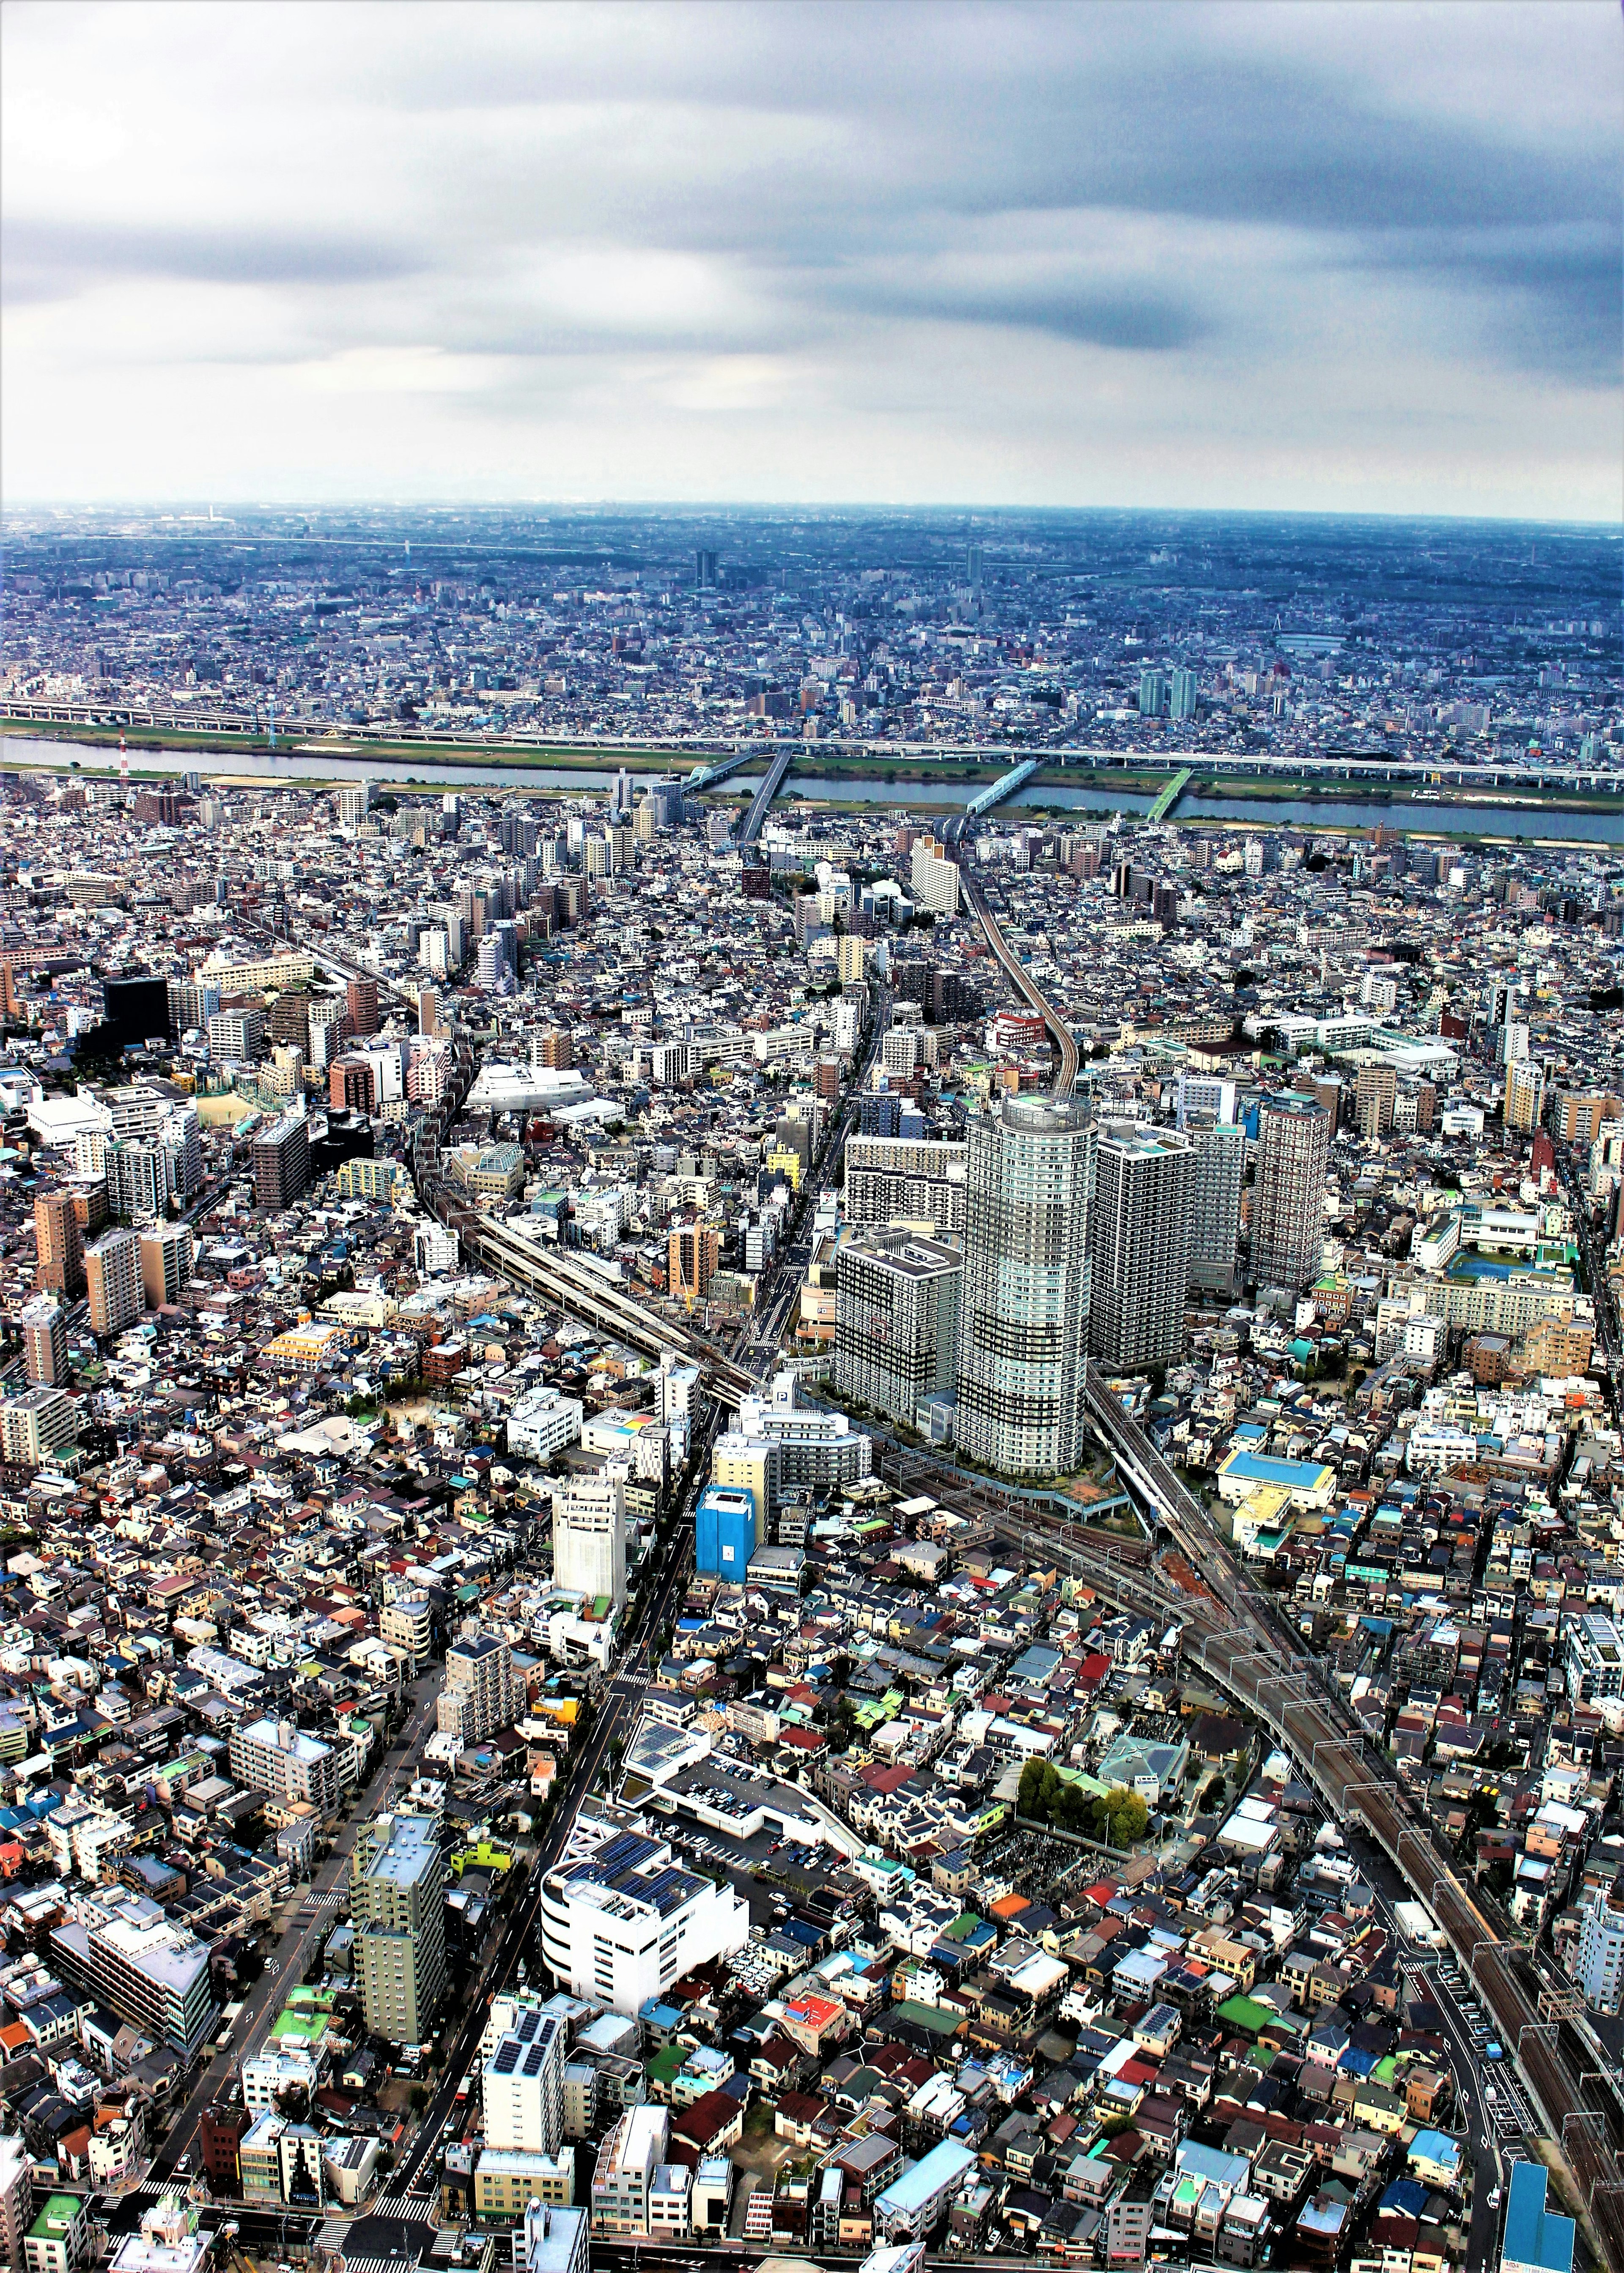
column 1024, row 986
column 1234, row 1629
column 1240, row 1637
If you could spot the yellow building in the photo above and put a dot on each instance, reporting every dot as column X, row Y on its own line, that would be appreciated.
column 784, row 1161
column 308, row 1345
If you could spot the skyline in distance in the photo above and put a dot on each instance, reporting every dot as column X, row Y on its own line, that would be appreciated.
column 1334, row 259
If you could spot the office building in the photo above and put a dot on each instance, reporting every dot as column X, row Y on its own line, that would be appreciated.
column 58, row 1245
column 397, row 1907
column 622, row 1925
column 588, row 1538
column 235, row 1035
column 897, row 1301
column 292, row 1769
column 45, row 1341
column 480, row 1695
column 1219, row 1172
column 1138, row 1247
column 166, row 1263
column 129, row 1956
column 522, row 2086
column 1288, row 1203
column 113, row 1281
column 281, row 1162
column 1023, row 1320
column 35, row 1424
column 728, row 1527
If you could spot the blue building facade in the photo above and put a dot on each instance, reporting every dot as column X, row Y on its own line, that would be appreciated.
column 725, row 1532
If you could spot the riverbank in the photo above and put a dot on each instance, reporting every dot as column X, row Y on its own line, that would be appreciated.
column 852, row 781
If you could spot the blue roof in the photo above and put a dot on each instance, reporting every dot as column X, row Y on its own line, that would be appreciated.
column 1436, row 2146
column 1298, row 1476
column 1533, row 2236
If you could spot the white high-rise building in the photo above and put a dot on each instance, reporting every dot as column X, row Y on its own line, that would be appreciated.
column 1287, row 1203
column 1138, row 1247
column 1600, row 1972
column 815, row 1449
column 522, row 2086
column 588, row 1537
column 1023, row 1328
column 620, row 1926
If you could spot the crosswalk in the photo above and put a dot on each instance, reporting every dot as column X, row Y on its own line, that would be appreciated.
column 412, row 2209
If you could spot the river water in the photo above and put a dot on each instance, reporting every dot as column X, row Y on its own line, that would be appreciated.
column 321, row 765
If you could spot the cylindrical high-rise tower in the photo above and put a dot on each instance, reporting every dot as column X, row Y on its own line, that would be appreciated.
column 1024, row 1322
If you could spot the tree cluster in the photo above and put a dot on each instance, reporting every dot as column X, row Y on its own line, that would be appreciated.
column 1119, row 1819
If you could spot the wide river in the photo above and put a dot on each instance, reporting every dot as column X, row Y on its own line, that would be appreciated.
column 1528, row 822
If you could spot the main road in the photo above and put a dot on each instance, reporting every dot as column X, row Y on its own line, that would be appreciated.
column 284, row 1969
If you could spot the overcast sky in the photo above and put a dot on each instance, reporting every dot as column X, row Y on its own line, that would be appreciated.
column 1361, row 257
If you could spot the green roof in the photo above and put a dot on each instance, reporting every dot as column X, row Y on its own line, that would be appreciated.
column 927, row 2016
column 1246, row 2013
column 666, row 2063
column 56, row 2216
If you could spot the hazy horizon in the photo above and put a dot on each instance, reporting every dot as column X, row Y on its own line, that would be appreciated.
column 1351, row 259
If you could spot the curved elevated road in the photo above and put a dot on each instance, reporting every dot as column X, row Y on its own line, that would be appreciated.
column 1024, row 984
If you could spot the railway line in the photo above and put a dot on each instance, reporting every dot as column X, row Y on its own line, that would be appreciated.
column 1234, row 1629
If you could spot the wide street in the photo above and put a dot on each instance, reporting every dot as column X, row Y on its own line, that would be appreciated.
column 285, row 1966
column 617, row 1716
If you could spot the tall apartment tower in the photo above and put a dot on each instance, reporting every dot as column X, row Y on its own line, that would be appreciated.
column 897, row 1300
column 588, row 1538
column 1138, row 1247
column 1022, row 1332
column 354, row 800
column 478, row 1696
column 113, row 1277
column 166, row 1261
column 694, row 1254
column 1287, row 1205
column 1220, row 1149
column 59, row 1246
column 396, row 1905
column 361, row 1001
column 45, row 1342
column 280, row 1157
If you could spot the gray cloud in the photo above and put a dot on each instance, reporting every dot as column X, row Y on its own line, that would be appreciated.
column 43, row 259
column 829, row 215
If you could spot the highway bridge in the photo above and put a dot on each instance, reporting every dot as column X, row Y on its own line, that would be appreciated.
column 715, row 769
column 761, row 804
